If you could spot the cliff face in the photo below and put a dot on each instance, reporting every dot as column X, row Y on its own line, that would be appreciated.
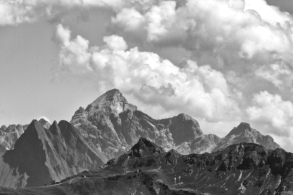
column 245, row 168
column 41, row 155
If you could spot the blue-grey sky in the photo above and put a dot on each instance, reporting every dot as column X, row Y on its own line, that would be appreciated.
column 220, row 61
column 284, row 5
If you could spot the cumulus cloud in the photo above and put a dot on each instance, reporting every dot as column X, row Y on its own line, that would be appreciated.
column 272, row 109
column 201, row 90
column 279, row 74
column 231, row 56
column 274, row 115
column 13, row 12
column 216, row 28
column 223, row 59
column 73, row 52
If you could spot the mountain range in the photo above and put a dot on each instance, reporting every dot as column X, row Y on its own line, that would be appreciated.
column 113, row 125
column 110, row 128
column 245, row 168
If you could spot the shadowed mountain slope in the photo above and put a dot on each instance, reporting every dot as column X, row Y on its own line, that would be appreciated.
column 9, row 135
column 42, row 155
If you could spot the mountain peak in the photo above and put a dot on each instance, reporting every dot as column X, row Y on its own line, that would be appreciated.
column 45, row 123
column 245, row 133
column 240, row 129
column 244, row 125
column 145, row 147
column 184, row 117
column 113, row 93
column 112, row 101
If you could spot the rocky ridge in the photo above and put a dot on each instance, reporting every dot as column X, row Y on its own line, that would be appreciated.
column 244, row 133
column 240, row 169
column 9, row 135
column 41, row 155
column 113, row 125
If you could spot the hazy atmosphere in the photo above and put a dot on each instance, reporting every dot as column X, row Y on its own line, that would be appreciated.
column 219, row 61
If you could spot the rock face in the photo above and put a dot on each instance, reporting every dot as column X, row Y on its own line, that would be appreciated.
column 41, row 155
column 45, row 123
column 244, row 168
column 244, row 133
column 113, row 125
column 9, row 135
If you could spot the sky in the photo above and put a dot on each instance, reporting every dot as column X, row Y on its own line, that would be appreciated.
column 221, row 61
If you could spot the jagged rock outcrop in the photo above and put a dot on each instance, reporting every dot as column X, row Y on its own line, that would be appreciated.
column 44, row 123
column 113, row 125
column 240, row 169
column 9, row 135
column 244, row 168
column 41, row 155
column 244, row 133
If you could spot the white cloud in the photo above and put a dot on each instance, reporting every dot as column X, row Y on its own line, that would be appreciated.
column 63, row 34
column 279, row 74
column 214, row 29
column 115, row 43
column 272, row 110
column 269, row 13
column 13, row 12
column 227, row 52
column 274, row 116
column 73, row 52
column 129, row 18
column 201, row 91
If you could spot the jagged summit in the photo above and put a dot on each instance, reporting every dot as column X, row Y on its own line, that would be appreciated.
column 245, row 133
column 45, row 123
column 243, row 126
column 145, row 147
column 111, row 102
column 184, row 117
column 114, row 94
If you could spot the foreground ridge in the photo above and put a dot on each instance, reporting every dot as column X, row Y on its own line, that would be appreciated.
column 244, row 168
column 41, row 155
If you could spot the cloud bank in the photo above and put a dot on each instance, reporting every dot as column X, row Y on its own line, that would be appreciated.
column 200, row 90
column 221, row 61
